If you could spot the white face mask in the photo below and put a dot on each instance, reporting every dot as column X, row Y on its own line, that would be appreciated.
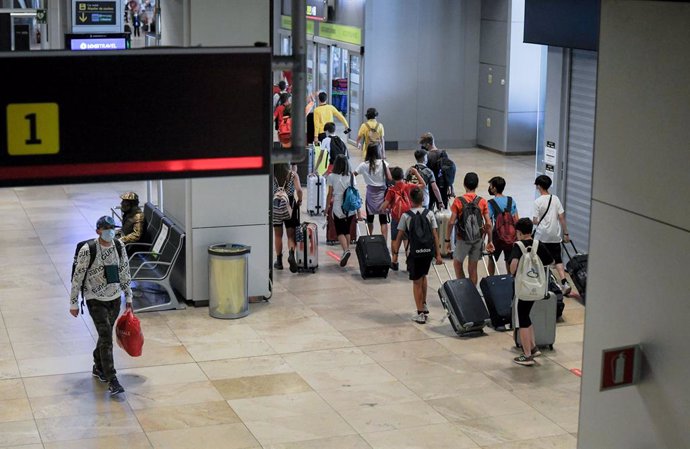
column 108, row 235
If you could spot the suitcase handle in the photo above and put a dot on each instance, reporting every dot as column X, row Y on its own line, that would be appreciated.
column 365, row 225
column 450, row 277
column 565, row 247
column 498, row 272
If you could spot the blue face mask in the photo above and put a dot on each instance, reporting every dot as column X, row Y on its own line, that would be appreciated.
column 108, row 235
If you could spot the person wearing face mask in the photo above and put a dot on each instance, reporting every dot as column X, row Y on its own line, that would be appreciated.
column 429, row 179
column 132, row 219
column 101, row 279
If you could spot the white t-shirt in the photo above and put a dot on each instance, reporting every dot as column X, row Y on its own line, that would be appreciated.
column 340, row 184
column 549, row 229
column 377, row 179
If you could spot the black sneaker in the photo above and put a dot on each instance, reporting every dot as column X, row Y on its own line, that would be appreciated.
column 395, row 266
column 115, row 388
column 98, row 374
column 292, row 262
column 344, row 258
column 524, row 360
column 278, row 265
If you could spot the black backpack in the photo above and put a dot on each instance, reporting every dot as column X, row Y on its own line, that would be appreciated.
column 337, row 147
column 92, row 256
column 446, row 171
column 470, row 223
column 420, row 235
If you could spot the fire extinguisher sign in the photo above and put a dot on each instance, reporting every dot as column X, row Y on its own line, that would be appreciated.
column 620, row 367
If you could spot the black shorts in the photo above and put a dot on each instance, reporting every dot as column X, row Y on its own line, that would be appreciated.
column 523, row 310
column 555, row 251
column 418, row 267
column 501, row 248
column 383, row 218
column 343, row 225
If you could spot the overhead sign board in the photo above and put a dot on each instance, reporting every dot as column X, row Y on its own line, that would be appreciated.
column 86, row 122
column 95, row 13
column 92, row 16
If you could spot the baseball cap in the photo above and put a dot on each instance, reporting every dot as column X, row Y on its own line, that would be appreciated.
column 105, row 221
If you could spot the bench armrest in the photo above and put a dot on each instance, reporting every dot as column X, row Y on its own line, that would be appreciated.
column 148, row 263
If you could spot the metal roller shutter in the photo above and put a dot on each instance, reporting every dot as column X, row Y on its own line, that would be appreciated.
column 578, row 172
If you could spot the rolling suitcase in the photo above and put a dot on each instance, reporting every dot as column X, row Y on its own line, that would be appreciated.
column 307, row 247
column 316, row 194
column 556, row 290
column 498, row 291
column 373, row 256
column 577, row 268
column 463, row 304
column 442, row 219
column 543, row 316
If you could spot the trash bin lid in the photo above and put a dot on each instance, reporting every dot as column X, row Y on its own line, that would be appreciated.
column 229, row 249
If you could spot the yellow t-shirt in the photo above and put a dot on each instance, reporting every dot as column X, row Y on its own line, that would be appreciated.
column 324, row 114
column 363, row 133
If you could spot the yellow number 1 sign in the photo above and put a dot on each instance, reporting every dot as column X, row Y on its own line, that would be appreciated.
column 33, row 129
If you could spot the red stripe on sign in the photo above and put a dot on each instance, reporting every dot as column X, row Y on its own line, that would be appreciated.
column 127, row 168
column 577, row 372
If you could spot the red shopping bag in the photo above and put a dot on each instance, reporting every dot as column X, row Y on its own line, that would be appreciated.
column 129, row 335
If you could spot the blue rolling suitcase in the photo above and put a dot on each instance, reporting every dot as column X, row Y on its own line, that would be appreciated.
column 498, row 291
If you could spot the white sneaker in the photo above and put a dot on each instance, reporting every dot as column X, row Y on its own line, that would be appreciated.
column 426, row 309
column 566, row 288
column 419, row 318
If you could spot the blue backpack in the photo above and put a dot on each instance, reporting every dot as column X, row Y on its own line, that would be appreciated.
column 352, row 202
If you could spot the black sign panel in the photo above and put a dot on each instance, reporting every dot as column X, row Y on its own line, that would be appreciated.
column 134, row 114
column 95, row 13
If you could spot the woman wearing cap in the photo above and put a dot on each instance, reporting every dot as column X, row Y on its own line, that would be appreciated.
column 371, row 132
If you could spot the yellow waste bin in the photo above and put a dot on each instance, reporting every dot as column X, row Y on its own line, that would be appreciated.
column 228, row 276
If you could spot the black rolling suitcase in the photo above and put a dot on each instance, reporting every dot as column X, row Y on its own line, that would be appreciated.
column 498, row 291
column 373, row 256
column 577, row 268
column 556, row 290
column 464, row 306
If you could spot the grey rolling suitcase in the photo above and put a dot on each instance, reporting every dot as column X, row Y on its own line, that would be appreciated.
column 464, row 306
column 543, row 316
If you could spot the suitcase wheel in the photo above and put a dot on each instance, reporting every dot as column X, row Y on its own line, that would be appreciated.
column 551, row 347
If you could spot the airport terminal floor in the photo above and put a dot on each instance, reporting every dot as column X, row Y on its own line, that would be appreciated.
column 331, row 361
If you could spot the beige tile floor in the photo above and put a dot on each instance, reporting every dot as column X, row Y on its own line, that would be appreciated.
column 331, row 361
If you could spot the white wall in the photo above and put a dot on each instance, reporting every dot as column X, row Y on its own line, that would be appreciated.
column 172, row 28
column 640, row 231
column 230, row 22
column 421, row 69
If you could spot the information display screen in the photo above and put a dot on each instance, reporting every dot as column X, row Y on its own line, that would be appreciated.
column 99, row 44
column 135, row 114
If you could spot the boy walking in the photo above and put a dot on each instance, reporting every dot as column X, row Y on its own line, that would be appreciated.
column 397, row 199
column 427, row 176
column 549, row 218
column 471, row 213
column 522, row 308
column 504, row 215
column 101, row 278
column 419, row 224
column 323, row 114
